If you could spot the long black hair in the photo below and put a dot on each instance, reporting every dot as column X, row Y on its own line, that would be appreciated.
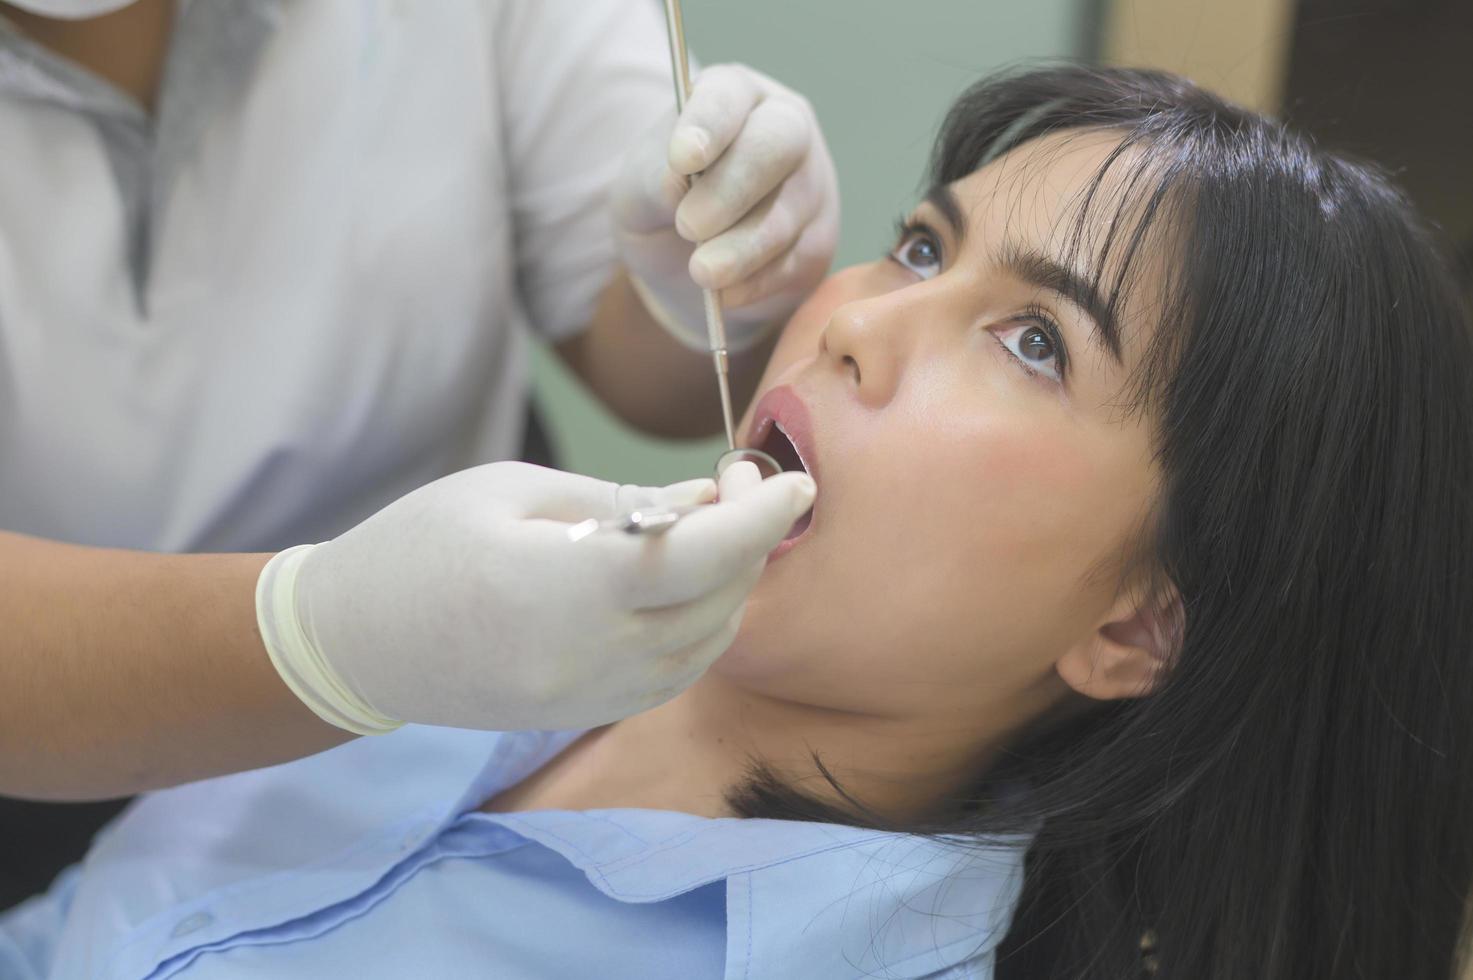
column 1295, row 800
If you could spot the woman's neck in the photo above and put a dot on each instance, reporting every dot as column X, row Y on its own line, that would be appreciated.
column 688, row 753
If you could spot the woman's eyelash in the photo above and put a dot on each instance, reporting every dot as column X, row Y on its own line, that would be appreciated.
column 1041, row 318
column 905, row 227
column 916, row 248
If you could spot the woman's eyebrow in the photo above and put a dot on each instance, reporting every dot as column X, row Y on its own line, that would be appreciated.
column 944, row 201
column 1038, row 269
column 1045, row 272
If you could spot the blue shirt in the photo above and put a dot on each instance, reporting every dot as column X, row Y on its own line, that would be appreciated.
column 372, row 861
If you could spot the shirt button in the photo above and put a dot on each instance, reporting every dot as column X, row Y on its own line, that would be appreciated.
column 193, row 923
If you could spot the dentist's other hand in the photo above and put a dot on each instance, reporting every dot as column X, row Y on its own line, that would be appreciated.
column 465, row 603
column 760, row 223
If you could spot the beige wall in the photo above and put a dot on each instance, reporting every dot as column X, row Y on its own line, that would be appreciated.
column 1237, row 48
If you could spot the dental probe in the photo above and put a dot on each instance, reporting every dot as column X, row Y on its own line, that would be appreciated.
column 715, row 322
column 646, row 521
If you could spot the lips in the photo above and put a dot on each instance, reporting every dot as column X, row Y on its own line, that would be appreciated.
column 781, row 428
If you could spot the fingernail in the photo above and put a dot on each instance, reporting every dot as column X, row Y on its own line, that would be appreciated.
column 739, row 478
column 688, row 146
column 682, row 226
column 703, row 270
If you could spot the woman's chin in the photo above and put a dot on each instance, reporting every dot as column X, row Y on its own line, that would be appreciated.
column 770, row 642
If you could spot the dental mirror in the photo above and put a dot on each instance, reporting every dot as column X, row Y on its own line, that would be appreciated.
column 766, row 465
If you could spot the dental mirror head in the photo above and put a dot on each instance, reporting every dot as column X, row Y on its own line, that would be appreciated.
column 766, row 465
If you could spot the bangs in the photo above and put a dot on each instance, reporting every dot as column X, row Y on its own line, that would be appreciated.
column 1135, row 214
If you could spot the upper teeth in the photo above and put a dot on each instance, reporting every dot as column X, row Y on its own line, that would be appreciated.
column 796, row 451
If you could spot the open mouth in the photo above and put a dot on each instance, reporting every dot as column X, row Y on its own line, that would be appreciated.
column 781, row 428
column 779, row 445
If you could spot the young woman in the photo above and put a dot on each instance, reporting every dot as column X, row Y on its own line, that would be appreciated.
column 1254, row 489
column 1142, row 544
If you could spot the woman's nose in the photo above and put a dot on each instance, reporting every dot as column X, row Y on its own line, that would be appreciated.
column 863, row 341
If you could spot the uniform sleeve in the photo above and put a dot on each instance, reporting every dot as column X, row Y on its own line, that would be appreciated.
column 30, row 932
column 579, row 81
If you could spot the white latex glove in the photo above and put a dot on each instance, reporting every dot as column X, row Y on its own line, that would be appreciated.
column 764, row 210
column 465, row 603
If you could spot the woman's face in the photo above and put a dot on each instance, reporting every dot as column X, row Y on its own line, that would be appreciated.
column 960, row 406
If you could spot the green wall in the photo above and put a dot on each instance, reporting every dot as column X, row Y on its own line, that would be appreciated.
column 880, row 74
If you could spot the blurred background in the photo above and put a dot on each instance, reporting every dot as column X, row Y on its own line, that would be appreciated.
column 1390, row 80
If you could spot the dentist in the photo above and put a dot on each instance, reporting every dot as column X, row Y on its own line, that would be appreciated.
column 269, row 270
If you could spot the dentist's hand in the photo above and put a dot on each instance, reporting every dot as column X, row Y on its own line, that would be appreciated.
column 465, row 603
column 764, row 210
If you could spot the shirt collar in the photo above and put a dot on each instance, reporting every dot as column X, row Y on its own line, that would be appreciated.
column 803, row 899
column 832, row 899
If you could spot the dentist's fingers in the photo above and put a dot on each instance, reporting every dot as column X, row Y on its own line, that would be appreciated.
column 771, row 291
column 685, row 667
column 771, row 145
column 716, row 544
column 677, row 671
column 721, row 98
column 569, row 498
column 672, row 629
column 759, row 150
column 683, row 494
column 767, row 231
column 739, row 478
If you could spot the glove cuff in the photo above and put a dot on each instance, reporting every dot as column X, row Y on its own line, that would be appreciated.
column 297, row 659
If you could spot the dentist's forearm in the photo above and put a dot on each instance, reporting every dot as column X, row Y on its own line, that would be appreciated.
column 126, row 671
column 649, row 379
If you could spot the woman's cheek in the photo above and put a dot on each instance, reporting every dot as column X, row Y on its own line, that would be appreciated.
column 993, row 496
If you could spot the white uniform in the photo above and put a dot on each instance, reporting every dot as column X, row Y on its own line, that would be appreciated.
column 304, row 289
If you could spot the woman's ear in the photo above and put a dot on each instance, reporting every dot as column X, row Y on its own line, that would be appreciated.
column 1128, row 655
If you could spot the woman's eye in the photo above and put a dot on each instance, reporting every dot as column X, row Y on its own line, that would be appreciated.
column 919, row 251
column 1036, row 346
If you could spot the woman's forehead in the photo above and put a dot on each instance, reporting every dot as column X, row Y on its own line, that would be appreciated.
column 1039, row 191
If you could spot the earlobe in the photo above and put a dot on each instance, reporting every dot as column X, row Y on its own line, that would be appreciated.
column 1129, row 654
